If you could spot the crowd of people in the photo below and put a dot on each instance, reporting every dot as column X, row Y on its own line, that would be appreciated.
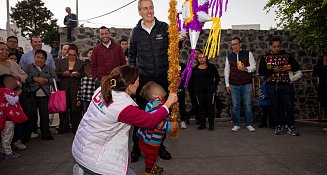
column 123, row 87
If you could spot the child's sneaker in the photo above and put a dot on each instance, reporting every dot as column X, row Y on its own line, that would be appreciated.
column 160, row 169
column 183, row 125
column 292, row 131
column 278, row 130
column 156, row 170
column 11, row 156
column 19, row 146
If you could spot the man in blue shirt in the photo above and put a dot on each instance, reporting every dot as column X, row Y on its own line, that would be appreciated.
column 28, row 57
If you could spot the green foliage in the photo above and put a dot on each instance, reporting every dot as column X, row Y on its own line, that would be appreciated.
column 35, row 19
column 306, row 19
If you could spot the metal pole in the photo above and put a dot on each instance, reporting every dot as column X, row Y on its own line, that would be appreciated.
column 77, row 11
column 8, row 22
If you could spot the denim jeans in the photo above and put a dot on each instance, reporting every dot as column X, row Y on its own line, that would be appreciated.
column 241, row 92
column 282, row 96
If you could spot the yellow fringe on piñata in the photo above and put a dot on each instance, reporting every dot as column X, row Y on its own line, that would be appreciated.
column 173, row 61
column 191, row 12
column 212, row 47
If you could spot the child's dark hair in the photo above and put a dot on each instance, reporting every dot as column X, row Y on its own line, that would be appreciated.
column 87, row 63
column 146, row 92
column 123, row 40
column 118, row 80
column 2, row 79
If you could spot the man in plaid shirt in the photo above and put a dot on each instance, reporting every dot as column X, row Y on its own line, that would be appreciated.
column 87, row 87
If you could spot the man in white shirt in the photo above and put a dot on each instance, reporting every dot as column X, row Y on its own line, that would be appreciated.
column 238, row 79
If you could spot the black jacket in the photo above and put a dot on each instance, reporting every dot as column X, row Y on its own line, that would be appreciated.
column 149, row 51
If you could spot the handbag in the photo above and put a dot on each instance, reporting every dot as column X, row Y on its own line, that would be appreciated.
column 57, row 100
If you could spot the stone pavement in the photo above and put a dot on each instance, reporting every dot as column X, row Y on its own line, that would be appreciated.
column 199, row 153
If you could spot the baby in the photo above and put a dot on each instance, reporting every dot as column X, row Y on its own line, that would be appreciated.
column 150, row 139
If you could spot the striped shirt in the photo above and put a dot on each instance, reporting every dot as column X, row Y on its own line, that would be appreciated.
column 154, row 136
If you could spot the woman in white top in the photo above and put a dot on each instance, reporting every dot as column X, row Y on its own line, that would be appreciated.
column 102, row 139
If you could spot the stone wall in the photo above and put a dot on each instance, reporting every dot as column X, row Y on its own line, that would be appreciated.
column 306, row 102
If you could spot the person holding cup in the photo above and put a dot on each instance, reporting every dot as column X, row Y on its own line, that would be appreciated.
column 238, row 79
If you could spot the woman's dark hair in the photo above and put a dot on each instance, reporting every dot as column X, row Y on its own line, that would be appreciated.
column 118, row 80
column 2, row 79
column 89, row 50
column 199, row 50
column 73, row 47
column 207, row 60
column 40, row 51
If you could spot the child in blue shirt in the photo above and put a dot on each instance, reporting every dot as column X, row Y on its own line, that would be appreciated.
column 150, row 139
column 265, row 107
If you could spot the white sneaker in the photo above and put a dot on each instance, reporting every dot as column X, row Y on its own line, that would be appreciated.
column 183, row 125
column 18, row 144
column 236, row 128
column 250, row 128
column 34, row 135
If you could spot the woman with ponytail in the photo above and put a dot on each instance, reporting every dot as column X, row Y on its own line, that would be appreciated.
column 101, row 144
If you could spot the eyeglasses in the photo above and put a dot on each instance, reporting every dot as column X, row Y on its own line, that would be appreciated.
column 234, row 44
column 72, row 55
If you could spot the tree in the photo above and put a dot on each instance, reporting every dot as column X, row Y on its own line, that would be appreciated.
column 35, row 19
column 306, row 19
